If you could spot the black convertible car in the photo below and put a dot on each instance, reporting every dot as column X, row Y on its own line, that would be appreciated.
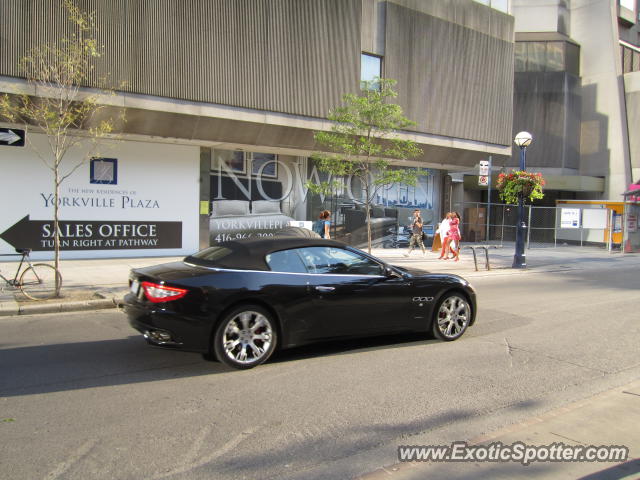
column 241, row 300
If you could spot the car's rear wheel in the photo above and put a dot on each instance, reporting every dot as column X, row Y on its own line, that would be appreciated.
column 451, row 317
column 246, row 337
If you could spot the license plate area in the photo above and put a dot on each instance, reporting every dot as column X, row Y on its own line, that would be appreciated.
column 135, row 286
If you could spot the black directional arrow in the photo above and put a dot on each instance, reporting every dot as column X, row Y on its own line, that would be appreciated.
column 12, row 137
column 25, row 234
column 94, row 235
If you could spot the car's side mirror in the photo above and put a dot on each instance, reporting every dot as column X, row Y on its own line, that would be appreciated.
column 391, row 273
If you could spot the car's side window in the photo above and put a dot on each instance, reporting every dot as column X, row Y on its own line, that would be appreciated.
column 286, row 261
column 333, row 260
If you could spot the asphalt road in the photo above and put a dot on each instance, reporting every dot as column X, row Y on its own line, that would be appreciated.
column 82, row 395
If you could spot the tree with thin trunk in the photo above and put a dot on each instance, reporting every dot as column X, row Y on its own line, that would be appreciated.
column 71, row 118
column 363, row 143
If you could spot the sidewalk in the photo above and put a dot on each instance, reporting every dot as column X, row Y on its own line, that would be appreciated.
column 609, row 418
column 87, row 285
column 101, row 283
column 501, row 260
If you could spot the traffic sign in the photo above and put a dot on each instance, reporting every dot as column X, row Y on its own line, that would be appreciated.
column 484, row 168
column 12, row 137
column 483, row 180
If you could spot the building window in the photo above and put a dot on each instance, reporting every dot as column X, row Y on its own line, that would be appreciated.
column 536, row 56
column 630, row 58
column 104, row 171
column 370, row 68
column 555, row 57
column 627, row 11
column 547, row 57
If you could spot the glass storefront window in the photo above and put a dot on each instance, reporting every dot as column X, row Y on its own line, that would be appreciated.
column 273, row 195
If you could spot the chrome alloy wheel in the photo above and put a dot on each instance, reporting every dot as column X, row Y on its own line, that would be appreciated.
column 247, row 337
column 453, row 317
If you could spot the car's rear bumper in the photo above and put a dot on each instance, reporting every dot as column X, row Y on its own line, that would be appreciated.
column 165, row 328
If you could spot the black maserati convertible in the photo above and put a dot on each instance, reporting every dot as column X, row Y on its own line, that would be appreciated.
column 241, row 300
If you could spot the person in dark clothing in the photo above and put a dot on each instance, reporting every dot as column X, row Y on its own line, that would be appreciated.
column 416, row 233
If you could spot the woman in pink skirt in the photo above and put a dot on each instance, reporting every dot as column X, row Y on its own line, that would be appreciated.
column 452, row 236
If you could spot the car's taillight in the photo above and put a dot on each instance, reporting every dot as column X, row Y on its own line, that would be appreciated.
column 157, row 293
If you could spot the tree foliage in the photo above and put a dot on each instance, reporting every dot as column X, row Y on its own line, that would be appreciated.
column 56, row 104
column 363, row 143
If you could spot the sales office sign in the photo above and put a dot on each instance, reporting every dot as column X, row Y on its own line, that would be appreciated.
column 38, row 235
column 89, row 235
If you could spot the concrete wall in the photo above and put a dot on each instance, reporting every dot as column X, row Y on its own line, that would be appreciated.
column 454, row 64
column 278, row 55
column 542, row 16
column 547, row 104
column 453, row 60
column 604, row 139
column 632, row 89
column 603, row 135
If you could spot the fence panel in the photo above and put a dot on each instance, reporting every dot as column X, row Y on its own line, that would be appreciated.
column 496, row 224
column 542, row 226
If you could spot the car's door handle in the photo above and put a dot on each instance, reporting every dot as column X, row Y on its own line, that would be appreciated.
column 325, row 289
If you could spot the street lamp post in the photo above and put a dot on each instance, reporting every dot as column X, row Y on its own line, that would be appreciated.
column 522, row 140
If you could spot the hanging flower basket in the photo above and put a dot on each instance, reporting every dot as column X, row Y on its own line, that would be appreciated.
column 512, row 185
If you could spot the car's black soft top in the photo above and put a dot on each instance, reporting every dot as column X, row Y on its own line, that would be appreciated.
column 249, row 254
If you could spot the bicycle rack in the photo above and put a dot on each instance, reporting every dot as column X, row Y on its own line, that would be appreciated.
column 486, row 248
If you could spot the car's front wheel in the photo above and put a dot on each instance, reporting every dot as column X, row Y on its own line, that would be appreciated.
column 451, row 317
column 246, row 337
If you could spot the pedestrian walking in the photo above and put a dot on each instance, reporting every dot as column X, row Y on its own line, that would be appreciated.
column 441, row 233
column 323, row 224
column 416, row 233
column 455, row 242
column 452, row 240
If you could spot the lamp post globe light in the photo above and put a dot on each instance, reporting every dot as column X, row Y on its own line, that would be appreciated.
column 522, row 140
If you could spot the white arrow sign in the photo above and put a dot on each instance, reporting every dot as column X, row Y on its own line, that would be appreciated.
column 9, row 137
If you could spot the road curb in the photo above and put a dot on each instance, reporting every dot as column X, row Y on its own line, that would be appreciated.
column 9, row 308
column 77, row 306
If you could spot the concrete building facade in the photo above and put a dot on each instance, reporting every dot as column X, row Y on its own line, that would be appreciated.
column 577, row 75
column 235, row 89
